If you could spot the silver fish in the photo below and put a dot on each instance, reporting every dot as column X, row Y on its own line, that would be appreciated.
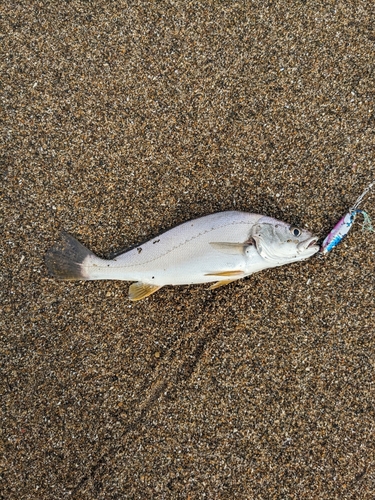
column 218, row 248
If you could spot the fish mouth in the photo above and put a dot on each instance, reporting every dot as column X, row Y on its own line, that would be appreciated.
column 310, row 244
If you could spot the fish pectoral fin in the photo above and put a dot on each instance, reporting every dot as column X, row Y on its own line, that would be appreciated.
column 221, row 283
column 139, row 290
column 229, row 248
column 235, row 273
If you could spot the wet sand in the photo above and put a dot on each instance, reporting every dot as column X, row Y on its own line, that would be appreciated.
column 122, row 120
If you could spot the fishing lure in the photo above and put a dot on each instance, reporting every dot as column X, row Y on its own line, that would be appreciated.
column 343, row 226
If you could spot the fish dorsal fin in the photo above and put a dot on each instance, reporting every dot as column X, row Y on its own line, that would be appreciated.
column 221, row 283
column 139, row 290
column 236, row 273
column 229, row 248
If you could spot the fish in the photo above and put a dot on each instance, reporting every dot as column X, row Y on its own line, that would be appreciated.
column 218, row 249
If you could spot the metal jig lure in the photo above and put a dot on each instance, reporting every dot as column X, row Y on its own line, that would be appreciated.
column 343, row 226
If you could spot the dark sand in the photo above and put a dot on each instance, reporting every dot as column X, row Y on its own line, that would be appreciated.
column 123, row 119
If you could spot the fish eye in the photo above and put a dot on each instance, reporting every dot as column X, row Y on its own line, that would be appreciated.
column 295, row 230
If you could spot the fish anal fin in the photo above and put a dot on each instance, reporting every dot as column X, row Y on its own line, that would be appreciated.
column 236, row 273
column 139, row 290
column 221, row 283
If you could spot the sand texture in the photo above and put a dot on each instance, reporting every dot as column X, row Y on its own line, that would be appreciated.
column 121, row 120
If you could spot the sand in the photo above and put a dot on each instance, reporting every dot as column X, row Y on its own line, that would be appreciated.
column 123, row 119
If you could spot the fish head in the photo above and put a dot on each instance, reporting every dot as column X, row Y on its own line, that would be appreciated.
column 281, row 243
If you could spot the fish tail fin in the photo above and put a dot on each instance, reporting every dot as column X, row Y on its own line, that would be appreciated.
column 64, row 260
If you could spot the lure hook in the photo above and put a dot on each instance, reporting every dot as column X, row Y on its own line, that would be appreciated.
column 360, row 198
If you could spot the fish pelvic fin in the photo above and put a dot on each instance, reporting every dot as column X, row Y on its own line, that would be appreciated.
column 139, row 290
column 221, row 283
column 64, row 260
